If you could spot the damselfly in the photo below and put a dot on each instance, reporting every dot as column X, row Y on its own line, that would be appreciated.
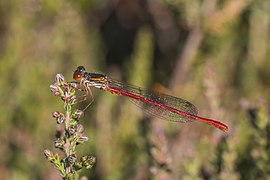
column 154, row 103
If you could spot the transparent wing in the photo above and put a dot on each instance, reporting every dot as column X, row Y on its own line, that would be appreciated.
column 143, row 98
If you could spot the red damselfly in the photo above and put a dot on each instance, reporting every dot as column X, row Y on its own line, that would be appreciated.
column 154, row 103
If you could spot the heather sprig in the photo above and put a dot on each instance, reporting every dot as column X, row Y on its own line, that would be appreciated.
column 69, row 133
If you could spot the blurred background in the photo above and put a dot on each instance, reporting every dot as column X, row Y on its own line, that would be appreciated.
column 213, row 53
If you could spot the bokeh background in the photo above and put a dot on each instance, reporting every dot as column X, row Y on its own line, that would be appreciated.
column 214, row 53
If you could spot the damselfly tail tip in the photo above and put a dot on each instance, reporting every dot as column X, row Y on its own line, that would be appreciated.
column 222, row 127
column 215, row 123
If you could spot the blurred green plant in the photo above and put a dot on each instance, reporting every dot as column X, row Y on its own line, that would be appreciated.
column 38, row 38
column 70, row 135
column 253, row 152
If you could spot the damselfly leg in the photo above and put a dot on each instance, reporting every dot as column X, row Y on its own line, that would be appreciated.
column 87, row 92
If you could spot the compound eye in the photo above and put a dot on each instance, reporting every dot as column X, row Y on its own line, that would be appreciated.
column 80, row 68
column 77, row 76
column 78, row 73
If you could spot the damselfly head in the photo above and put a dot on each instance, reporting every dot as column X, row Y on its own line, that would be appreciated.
column 78, row 73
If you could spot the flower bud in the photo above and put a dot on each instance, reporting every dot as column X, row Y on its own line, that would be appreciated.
column 59, row 79
column 77, row 114
column 71, row 130
column 82, row 138
column 88, row 161
column 72, row 99
column 73, row 85
column 49, row 155
column 59, row 117
column 79, row 128
column 72, row 158
column 59, row 143
column 55, row 90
